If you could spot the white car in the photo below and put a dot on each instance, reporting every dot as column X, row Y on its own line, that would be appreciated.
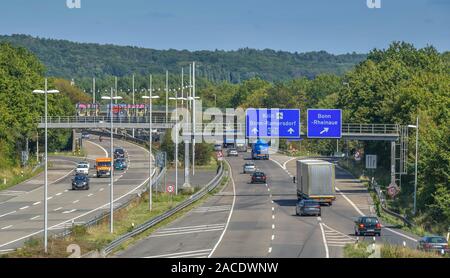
column 82, row 168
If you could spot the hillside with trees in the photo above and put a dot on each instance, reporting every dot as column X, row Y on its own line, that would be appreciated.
column 72, row 60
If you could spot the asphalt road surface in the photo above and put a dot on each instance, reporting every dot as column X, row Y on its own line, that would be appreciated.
column 258, row 220
column 21, row 207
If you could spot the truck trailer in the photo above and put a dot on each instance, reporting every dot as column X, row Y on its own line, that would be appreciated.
column 316, row 180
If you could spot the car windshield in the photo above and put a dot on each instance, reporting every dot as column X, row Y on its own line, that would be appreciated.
column 80, row 178
column 259, row 174
column 311, row 203
column 437, row 240
column 370, row 220
column 102, row 164
column 249, row 165
column 82, row 166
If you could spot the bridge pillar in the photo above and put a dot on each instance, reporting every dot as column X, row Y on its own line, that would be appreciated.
column 392, row 162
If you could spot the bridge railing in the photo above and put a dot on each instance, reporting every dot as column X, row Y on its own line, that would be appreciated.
column 370, row 128
column 102, row 119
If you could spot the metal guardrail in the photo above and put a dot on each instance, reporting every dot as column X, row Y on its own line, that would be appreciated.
column 155, row 181
column 382, row 199
column 96, row 220
column 152, row 222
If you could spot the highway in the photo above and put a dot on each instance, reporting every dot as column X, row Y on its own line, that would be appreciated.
column 258, row 220
column 21, row 208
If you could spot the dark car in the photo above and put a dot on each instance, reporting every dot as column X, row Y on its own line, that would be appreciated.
column 308, row 207
column 433, row 244
column 119, row 153
column 80, row 181
column 367, row 225
column 85, row 135
column 120, row 164
column 259, row 177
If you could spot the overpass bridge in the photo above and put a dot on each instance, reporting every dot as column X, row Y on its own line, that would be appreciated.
column 350, row 131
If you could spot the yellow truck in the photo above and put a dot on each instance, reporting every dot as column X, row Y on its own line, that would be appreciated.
column 103, row 167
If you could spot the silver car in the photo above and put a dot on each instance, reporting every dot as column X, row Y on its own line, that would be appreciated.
column 249, row 167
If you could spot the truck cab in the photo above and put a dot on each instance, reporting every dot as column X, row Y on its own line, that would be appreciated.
column 260, row 150
column 103, row 167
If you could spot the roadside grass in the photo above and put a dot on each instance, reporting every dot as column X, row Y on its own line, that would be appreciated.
column 80, row 153
column 15, row 175
column 96, row 237
column 362, row 250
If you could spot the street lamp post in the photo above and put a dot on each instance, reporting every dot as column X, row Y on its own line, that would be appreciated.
column 150, row 189
column 176, row 98
column 415, row 170
column 111, row 189
column 45, row 92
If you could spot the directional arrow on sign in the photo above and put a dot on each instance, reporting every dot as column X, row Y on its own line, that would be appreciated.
column 325, row 130
column 291, row 130
column 255, row 130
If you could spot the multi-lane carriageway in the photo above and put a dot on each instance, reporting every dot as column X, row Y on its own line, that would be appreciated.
column 21, row 209
column 258, row 220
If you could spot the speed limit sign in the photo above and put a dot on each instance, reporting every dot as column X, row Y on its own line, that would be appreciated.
column 170, row 189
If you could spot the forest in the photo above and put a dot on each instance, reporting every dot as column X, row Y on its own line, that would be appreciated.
column 67, row 59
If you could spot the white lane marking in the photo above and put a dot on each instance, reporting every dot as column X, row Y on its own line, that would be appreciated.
column 89, row 195
column 101, row 189
column 67, row 211
column 25, row 207
column 76, row 201
column 273, row 237
column 49, row 198
column 103, row 149
column 186, row 232
column 400, row 234
column 6, row 250
column 58, row 194
column 360, row 213
column 231, row 212
column 89, row 212
column 273, row 226
column 273, row 208
column 279, row 164
column 270, row 249
column 180, row 253
column 66, row 190
column 271, row 201
column 268, row 189
column 350, row 202
column 192, row 227
column 37, row 203
column 56, row 209
column 7, row 227
column 36, row 217
column 273, row 216
column 327, row 254
column 14, row 211
column 286, row 162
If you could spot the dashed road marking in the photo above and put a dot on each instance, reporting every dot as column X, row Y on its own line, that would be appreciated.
column 35, row 217
column 37, row 203
column 7, row 227
column 8, row 213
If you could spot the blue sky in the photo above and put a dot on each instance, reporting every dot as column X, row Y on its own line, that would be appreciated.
column 337, row 26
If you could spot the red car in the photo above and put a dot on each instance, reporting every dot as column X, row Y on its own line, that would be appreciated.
column 259, row 177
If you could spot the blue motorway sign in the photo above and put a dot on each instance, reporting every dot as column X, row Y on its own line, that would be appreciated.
column 324, row 123
column 272, row 123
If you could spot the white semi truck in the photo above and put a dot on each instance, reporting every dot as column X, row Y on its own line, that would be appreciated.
column 316, row 180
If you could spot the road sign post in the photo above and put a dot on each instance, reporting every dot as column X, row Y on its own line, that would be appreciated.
column 324, row 123
column 272, row 123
